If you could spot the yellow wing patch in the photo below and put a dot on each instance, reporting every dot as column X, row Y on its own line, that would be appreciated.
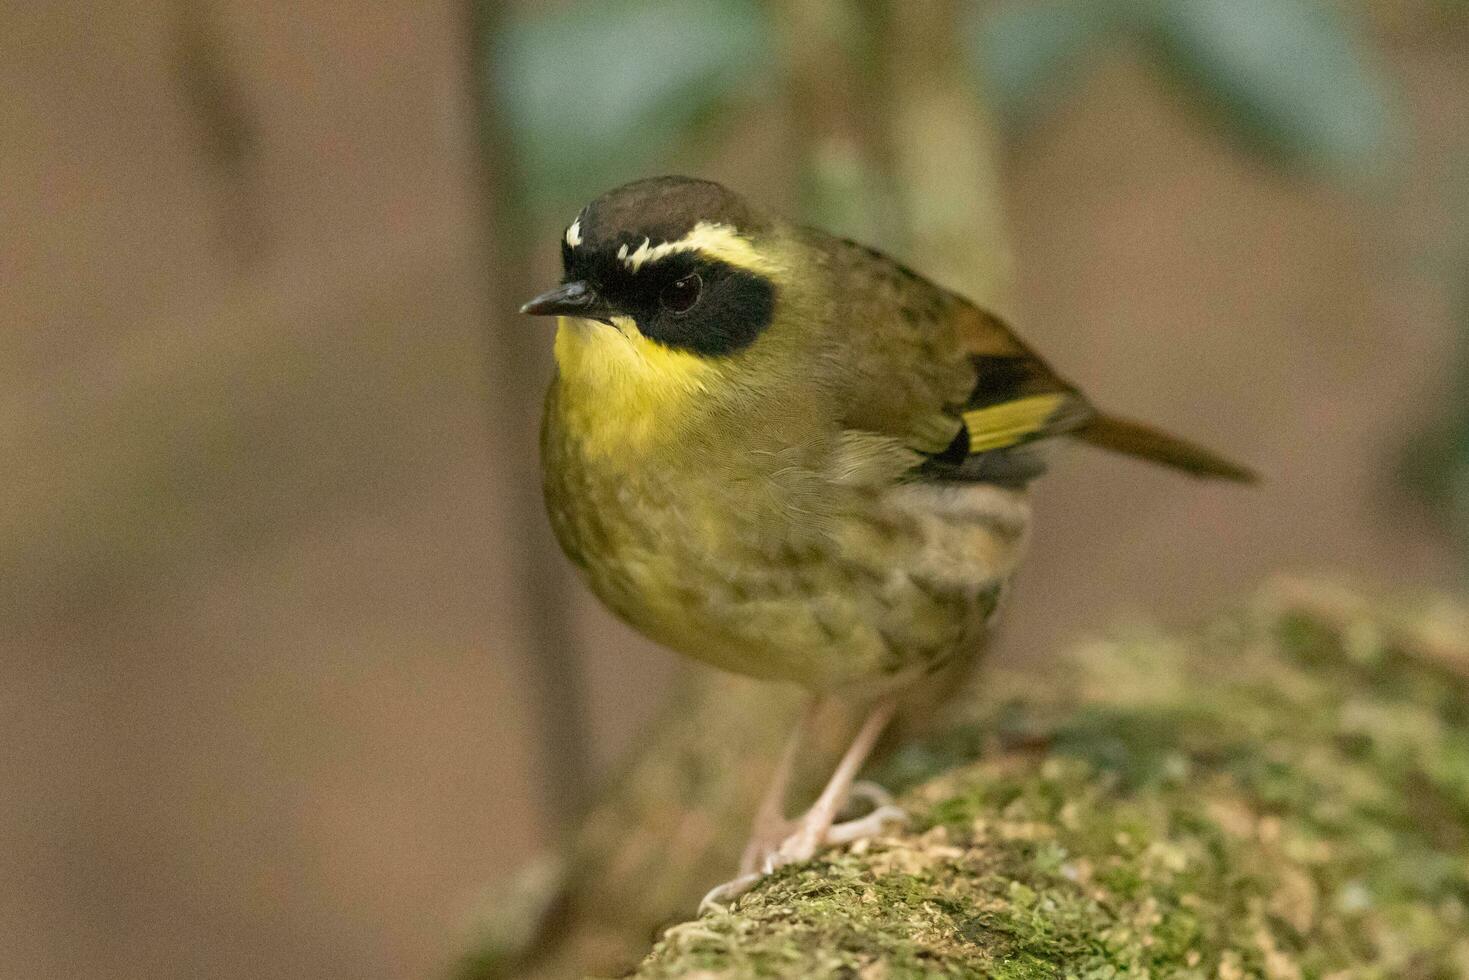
column 1007, row 423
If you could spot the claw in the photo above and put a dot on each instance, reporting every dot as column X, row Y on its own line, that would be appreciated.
column 810, row 838
column 720, row 896
column 868, row 826
column 873, row 793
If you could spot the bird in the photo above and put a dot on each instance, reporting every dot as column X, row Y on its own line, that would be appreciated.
column 787, row 455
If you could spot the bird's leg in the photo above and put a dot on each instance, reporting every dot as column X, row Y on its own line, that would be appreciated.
column 771, row 825
column 815, row 828
column 767, row 851
column 884, row 811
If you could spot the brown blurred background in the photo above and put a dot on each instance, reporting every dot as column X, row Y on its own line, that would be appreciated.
column 273, row 581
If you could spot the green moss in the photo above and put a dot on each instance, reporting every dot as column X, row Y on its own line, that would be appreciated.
column 1269, row 797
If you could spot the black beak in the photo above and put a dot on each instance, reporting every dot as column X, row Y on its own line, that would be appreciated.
column 571, row 299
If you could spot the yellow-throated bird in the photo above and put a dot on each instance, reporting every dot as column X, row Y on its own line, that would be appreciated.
column 789, row 456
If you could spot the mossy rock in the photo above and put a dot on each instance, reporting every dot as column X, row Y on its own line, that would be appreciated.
column 1282, row 794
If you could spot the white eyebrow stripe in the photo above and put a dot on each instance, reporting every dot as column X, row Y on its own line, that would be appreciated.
column 573, row 234
column 718, row 241
column 645, row 253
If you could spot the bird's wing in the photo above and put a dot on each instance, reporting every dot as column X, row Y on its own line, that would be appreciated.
column 1014, row 403
column 1018, row 400
column 956, row 385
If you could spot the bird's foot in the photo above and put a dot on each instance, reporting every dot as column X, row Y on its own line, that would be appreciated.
column 814, row 831
column 884, row 812
column 805, row 838
column 721, row 895
column 872, row 793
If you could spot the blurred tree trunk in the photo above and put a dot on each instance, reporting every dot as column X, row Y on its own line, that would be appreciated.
column 895, row 149
column 896, row 142
column 514, row 366
column 944, row 152
column 226, row 132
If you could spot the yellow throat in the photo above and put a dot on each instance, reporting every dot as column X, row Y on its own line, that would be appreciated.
column 620, row 391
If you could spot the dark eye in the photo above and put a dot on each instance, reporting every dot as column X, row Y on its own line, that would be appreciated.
column 680, row 296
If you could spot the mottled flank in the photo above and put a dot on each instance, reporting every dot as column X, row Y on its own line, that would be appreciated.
column 1283, row 795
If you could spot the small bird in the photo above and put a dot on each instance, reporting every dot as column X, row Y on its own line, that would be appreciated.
column 787, row 455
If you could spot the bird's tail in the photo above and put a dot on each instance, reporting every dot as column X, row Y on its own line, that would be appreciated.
column 1145, row 442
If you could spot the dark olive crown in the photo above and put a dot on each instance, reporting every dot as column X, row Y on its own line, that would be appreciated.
column 685, row 300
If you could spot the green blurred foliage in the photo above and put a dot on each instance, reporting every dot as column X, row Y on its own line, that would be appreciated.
column 1291, row 78
column 1030, row 55
column 1291, row 75
column 1435, row 463
column 1435, row 467
column 603, row 89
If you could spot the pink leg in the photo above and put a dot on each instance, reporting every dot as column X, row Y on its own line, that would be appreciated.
column 766, row 851
column 771, row 825
column 811, row 829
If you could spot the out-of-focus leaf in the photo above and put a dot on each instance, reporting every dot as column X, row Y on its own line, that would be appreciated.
column 845, row 193
column 1433, row 469
column 1026, row 55
column 596, row 91
column 1434, row 466
column 1289, row 76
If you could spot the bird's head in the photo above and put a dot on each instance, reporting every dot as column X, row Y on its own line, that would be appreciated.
column 675, row 262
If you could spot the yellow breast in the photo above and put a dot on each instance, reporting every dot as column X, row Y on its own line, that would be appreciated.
column 621, row 392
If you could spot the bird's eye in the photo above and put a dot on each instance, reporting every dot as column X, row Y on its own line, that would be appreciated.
column 680, row 296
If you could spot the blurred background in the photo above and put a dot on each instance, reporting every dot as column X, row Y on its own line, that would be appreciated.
column 291, row 669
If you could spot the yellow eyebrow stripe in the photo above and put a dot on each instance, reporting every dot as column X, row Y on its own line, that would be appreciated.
column 1005, row 424
column 717, row 241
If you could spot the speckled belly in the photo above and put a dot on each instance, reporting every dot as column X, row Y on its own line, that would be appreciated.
column 877, row 589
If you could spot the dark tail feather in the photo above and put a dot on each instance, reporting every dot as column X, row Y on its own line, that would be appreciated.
column 1146, row 442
